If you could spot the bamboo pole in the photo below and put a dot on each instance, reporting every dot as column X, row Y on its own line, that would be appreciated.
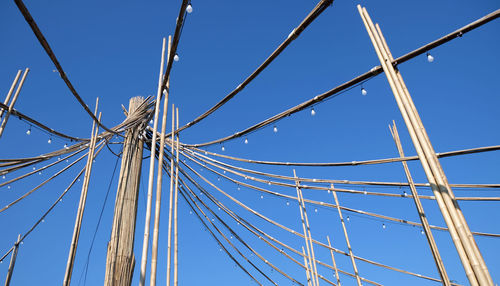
column 120, row 259
column 159, row 179
column 12, row 261
column 420, row 210
column 13, row 101
column 307, row 267
column 145, row 242
column 307, row 233
column 9, row 94
column 176, row 249
column 82, row 202
column 358, row 280
column 469, row 254
column 171, row 200
column 333, row 261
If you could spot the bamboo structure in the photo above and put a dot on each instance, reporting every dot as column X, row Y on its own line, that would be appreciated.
column 171, row 199
column 349, row 248
column 420, row 210
column 9, row 94
column 120, row 259
column 306, row 263
column 152, row 159
column 333, row 261
column 472, row 260
column 176, row 195
column 12, row 261
column 82, row 202
column 13, row 101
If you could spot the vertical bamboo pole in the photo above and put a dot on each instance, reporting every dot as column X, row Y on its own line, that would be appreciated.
column 420, row 210
column 9, row 94
column 154, row 254
column 307, row 232
column 171, row 199
column 353, row 261
column 120, row 259
column 12, row 261
column 333, row 261
column 469, row 254
column 307, row 267
column 14, row 99
column 82, row 202
column 176, row 249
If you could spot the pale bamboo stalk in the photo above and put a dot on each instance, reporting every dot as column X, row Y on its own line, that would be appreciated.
column 349, row 248
column 445, row 187
column 145, row 242
column 458, row 229
column 13, row 101
column 306, row 236
column 310, row 239
column 307, row 267
column 12, row 261
column 420, row 210
column 176, row 249
column 171, row 199
column 333, row 261
column 82, row 202
column 9, row 94
column 159, row 177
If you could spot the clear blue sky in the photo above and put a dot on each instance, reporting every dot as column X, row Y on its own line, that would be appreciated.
column 111, row 50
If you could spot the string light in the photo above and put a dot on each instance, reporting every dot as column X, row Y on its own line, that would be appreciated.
column 223, row 149
column 363, row 91
column 261, row 196
column 246, row 140
column 430, row 58
column 315, row 210
column 28, row 132
column 348, row 219
column 176, row 58
column 275, row 129
column 422, row 231
column 313, row 112
column 3, row 177
column 189, row 8
column 287, row 203
column 383, row 226
column 49, row 141
column 65, row 146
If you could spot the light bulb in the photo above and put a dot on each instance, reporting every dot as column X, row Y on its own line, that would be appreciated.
column 34, row 168
column 261, row 196
column 287, row 203
column 404, row 194
column 363, row 91
column 65, row 146
column 223, row 149
column 275, row 129
column 3, row 177
column 189, row 9
column 246, row 141
column 422, row 232
column 176, row 58
column 383, row 226
column 313, row 112
column 348, row 219
column 28, row 132
column 49, row 141
column 315, row 210
column 8, row 187
column 430, row 58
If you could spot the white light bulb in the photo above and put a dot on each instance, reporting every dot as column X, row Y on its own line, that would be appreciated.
column 348, row 219
column 49, row 141
column 275, row 129
column 313, row 112
column 176, row 58
column 8, row 187
column 3, row 177
column 223, row 149
column 315, row 210
column 422, row 232
column 363, row 91
column 261, row 197
column 65, row 146
column 430, row 58
column 383, row 226
column 28, row 132
column 34, row 168
column 246, row 141
column 189, row 9
column 287, row 203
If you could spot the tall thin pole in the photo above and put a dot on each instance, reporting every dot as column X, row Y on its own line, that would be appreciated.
column 306, row 264
column 469, row 253
column 420, row 210
column 353, row 261
column 81, row 204
column 176, row 249
column 145, row 242
column 9, row 94
column 159, row 178
column 333, row 261
column 120, row 259
column 12, row 261
column 171, row 199
column 13, row 101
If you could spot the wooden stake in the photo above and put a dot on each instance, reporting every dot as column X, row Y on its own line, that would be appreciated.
column 12, row 261
column 176, row 277
column 471, row 258
column 120, row 259
column 307, row 267
column 420, row 209
column 154, row 255
column 171, row 199
column 9, row 94
column 358, row 280
column 333, row 261
column 14, row 99
column 83, row 200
